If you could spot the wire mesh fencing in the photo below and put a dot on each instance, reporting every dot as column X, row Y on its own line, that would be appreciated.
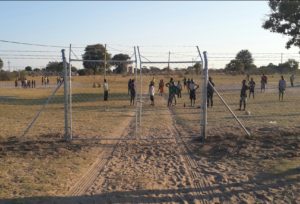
column 32, row 107
column 93, row 117
column 264, row 112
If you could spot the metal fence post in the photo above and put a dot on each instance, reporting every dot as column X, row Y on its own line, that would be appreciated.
column 70, row 95
column 204, row 98
column 141, row 88
column 135, row 100
column 66, row 107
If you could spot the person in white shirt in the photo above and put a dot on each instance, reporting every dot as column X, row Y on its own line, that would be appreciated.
column 105, row 87
column 151, row 92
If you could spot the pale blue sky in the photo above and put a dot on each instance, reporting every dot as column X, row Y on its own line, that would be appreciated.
column 223, row 27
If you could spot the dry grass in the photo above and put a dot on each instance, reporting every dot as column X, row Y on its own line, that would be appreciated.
column 38, row 168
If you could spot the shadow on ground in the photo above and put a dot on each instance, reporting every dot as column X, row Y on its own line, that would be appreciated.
column 223, row 192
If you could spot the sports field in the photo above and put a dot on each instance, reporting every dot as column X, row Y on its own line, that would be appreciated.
column 108, row 161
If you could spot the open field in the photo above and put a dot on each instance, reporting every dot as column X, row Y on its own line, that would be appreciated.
column 164, row 162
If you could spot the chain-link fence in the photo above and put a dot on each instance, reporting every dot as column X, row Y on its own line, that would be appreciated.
column 32, row 99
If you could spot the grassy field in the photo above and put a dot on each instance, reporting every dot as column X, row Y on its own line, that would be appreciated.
column 42, row 164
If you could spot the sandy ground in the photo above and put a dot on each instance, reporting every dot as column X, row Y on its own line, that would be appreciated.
column 166, row 165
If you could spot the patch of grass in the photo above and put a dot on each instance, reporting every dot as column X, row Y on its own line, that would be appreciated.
column 287, row 168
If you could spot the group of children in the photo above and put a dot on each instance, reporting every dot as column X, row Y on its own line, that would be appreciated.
column 25, row 83
column 264, row 80
column 175, row 90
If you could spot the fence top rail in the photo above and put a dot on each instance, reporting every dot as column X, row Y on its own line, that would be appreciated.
column 107, row 61
column 169, row 62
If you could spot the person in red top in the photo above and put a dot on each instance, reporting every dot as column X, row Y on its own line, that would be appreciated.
column 161, row 87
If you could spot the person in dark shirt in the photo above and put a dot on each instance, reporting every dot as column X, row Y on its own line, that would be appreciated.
column 210, row 92
column 243, row 95
column 129, row 84
column 132, row 92
column 251, row 87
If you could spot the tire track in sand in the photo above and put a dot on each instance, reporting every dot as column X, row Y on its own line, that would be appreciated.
column 88, row 178
column 199, row 182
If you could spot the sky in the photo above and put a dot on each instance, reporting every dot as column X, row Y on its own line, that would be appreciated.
column 222, row 28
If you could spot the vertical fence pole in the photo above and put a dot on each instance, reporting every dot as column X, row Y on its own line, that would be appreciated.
column 169, row 63
column 70, row 94
column 204, row 98
column 141, row 87
column 105, row 62
column 203, row 129
column 66, row 136
column 135, row 99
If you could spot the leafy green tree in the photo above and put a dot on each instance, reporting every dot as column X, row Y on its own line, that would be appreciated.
column 285, row 19
column 198, row 68
column 120, row 67
column 288, row 66
column 243, row 62
column 245, row 57
column 235, row 66
column 55, row 67
column 1, row 64
column 28, row 68
column 95, row 52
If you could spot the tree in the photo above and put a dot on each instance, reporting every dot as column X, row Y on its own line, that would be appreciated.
column 55, row 67
column 285, row 19
column 245, row 57
column 95, row 52
column 28, row 68
column 243, row 62
column 120, row 67
column 1, row 64
column 235, row 66
column 198, row 68
column 288, row 66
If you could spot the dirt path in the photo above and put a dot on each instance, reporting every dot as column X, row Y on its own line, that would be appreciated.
column 164, row 165
column 93, row 171
column 157, row 167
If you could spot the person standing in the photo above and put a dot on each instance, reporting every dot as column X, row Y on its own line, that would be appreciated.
column 243, row 95
column 184, row 82
column 292, row 78
column 188, row 85
column 129, row 84
column 210, row 92
column 161, row 87
column 193, row 87
column 170, row 85
column 151, row 92
column 105, row 87
column 132, row 92
column 263, row 82
column 179, row 89
column 281, row 87
column 251, row 87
